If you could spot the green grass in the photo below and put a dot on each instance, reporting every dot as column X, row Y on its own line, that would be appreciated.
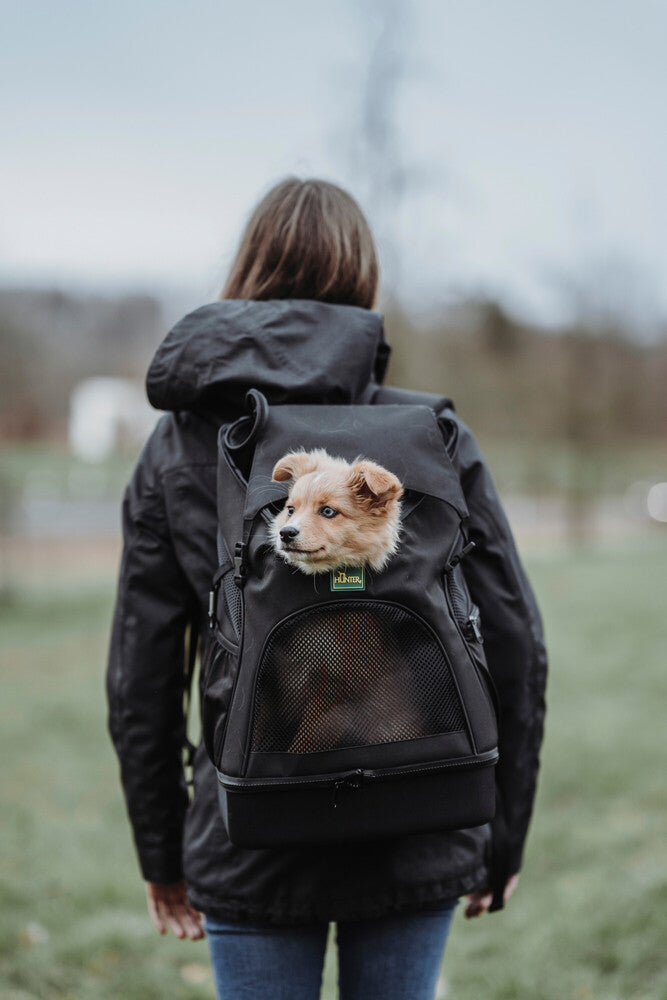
column 59, row 472
column 589, row 919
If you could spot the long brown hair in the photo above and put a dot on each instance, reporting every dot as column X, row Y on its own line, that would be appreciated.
column 306, row 240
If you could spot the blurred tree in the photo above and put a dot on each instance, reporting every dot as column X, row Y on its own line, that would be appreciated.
column 373, row 144
column 51, row 340
column 501, row 334
column 22, row 412
column 581, row 429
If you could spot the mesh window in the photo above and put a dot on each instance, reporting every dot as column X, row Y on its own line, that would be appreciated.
column 232, row 601
column 353, row 673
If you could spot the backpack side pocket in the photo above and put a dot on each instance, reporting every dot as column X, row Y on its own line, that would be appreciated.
column 466, row 614
column 220, row 673
column 220, row 668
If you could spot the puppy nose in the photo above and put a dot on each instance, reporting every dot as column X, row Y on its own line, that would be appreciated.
column 289, row 531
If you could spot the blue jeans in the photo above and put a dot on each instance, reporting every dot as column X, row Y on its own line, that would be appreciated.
column 388, row 958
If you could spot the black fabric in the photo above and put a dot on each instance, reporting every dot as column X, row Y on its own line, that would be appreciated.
column 353, row 810
column 380, row 426
column 201, row 374
column 224, row 348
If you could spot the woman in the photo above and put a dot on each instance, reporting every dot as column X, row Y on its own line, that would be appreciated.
column 295, row 320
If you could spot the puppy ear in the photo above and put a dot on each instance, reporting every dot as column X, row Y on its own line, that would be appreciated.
column 372, row 485
column 295, row 464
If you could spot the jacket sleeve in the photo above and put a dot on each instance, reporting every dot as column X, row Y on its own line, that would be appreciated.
column 146, row 673
column 515, row 651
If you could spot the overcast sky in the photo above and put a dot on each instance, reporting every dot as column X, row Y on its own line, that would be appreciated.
column 137, row 135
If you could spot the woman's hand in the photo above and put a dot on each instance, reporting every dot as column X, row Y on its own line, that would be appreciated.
column 479, row 902
column 168, row 907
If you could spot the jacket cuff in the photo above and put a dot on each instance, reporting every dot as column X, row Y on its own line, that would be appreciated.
column 162, row 866
column 505, row 858
column 504, row 864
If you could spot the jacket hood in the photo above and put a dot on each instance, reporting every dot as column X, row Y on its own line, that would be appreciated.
column 292, row 350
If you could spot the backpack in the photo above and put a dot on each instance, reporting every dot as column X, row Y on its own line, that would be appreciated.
column 349, row 705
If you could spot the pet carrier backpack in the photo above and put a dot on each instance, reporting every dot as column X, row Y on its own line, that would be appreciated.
column 351, row 705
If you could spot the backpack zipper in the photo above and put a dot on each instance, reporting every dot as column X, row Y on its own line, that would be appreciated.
column 471, row 627
column 354, row 779
column 466, row 613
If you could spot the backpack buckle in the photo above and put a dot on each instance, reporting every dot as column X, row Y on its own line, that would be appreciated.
column 240, row 564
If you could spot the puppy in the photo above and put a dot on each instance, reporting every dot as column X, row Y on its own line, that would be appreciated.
column 337, row 514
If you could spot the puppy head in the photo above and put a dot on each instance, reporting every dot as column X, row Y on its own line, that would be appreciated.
column 337, row 514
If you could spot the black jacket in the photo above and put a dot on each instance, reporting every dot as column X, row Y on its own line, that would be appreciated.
column 293, row 351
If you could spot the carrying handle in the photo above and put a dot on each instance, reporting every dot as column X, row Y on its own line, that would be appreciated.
column 240, row 437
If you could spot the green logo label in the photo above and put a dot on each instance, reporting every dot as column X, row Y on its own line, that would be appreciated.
column 347, row 579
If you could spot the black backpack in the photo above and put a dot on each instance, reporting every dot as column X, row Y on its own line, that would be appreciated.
column 353, row 705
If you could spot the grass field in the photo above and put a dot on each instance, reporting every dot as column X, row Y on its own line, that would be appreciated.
column 589, row 919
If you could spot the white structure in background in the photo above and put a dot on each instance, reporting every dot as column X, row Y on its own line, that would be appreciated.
column 656, row 502
column 107, row 414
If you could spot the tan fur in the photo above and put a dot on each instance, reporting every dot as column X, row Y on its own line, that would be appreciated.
column 366, row 496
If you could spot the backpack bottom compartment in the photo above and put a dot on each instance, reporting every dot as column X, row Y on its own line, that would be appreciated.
column 343, row 810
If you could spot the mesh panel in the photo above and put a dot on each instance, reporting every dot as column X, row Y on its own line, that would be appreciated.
column 353, row 673
column 232, row 601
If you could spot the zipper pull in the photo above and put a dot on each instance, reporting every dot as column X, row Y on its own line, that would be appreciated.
column 455, row 560
column 352, row 780
column 472, row 625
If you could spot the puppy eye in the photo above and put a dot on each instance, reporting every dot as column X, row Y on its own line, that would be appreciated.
column 290, row 511
column 328, row 512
